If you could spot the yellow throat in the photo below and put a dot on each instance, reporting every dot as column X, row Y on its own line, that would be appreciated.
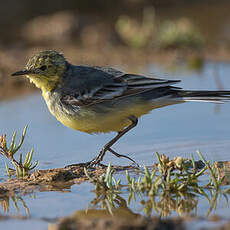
column 46, row 85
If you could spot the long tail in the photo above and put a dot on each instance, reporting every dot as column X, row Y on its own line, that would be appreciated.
column 204, row 96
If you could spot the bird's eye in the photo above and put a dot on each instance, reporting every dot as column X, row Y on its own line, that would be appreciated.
column 43, row 67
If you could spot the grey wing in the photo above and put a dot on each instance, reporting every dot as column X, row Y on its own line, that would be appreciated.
column 101, row 83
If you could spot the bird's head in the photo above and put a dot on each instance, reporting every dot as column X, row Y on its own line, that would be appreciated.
column 45, row 69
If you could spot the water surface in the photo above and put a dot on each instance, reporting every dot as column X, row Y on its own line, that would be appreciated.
column 174, row 130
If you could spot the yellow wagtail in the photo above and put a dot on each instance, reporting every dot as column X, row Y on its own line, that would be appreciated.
column 99, row 99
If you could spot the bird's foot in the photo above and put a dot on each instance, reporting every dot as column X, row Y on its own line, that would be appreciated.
column 85, row 164
column 88, row 164
column 93, row 163
column 98, row 159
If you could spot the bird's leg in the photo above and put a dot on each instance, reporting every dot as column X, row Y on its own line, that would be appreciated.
column 121, row 155
column 107, row 147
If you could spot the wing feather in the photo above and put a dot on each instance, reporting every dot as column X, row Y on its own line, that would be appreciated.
column 115, row 85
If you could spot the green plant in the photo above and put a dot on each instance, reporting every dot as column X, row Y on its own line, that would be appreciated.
column 215, row 179
column 107, row 189
column 169, row 185
column 177, row 175
column 106, row 181
column 21, row 168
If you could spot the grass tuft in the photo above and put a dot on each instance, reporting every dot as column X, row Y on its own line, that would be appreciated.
column 21, row 168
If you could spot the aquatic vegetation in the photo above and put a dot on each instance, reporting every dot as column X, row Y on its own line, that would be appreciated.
column 170, row 185
column 21, row 168
column 106, row 181
column 215, row 179
column 107, row 189
column 17, row 201
column 177, row 175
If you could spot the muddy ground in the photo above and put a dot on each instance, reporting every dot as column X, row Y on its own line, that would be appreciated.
column 119, row 218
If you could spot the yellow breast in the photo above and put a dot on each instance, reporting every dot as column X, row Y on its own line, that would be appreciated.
column 91, row 122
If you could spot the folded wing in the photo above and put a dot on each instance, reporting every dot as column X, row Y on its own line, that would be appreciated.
column 115, row 84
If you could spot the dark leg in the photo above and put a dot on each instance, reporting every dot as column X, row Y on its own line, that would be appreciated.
column 85, row 164
column 107, row 147
column 121, row 155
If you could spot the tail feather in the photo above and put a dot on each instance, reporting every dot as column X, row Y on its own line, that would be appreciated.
column 204, row 96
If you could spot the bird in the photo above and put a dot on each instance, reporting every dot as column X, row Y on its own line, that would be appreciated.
column 95, row 99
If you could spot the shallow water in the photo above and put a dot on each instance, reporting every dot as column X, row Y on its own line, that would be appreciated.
column 178, row 129
column 174, row 130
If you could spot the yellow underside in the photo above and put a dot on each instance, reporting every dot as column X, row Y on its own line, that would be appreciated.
column 86, row 120
column 90, row 122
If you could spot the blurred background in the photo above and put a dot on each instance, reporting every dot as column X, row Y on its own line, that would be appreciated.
column 187, row 39
column 124, row 33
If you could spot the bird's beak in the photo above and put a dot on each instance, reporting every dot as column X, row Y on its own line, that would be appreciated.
column 21, row 72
